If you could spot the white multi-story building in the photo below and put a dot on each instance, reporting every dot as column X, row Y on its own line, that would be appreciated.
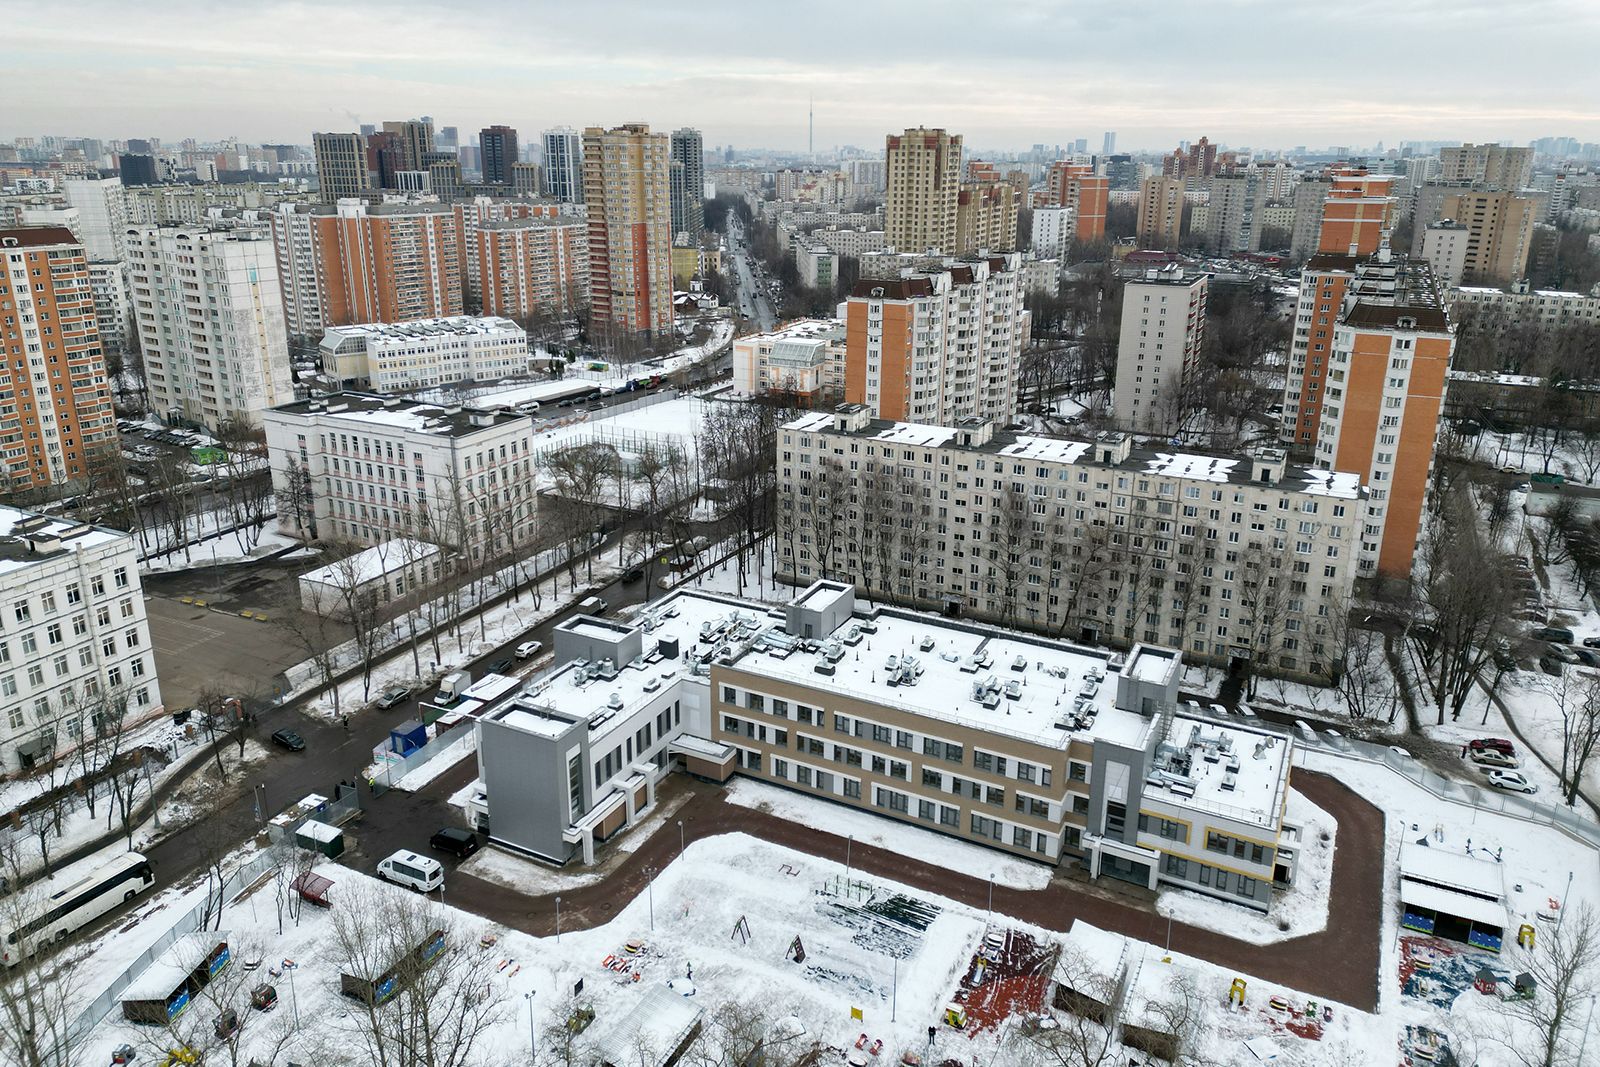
column 818, row 266
column 363, row 468
column 804, row 360
column 848, row 242
column 300, row 268
column 1242, row 561
column 108, row 284
column 210, row 320
column 1523, row 305
column 429, row 352
column 74, row 645
column 1163, row 323
column 563, row 164
column 102, row 216
column 1053, row 229
column 1444, row 246
column 942, row 341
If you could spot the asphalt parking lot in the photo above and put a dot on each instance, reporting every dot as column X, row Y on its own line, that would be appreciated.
column 197, row 648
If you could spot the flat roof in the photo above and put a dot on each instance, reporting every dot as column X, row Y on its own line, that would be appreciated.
column 453, row 325
column 372, row 563
column 1237, row 771
column 367, row 410
column 1452, row 870
column 1230, row 468
column 25, row 537
column 167, row 971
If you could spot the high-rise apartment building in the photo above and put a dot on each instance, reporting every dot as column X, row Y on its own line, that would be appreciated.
column 1160, row 222
column 102, row 215
column 627, row 190
column 1052, row 231
column 499, row 147
column 1444, row 246
column 211, row 322
column 355, row 262
column 55, row 400
column 688, row 183
column 1230, row 214
column 341, row 165
column 416, row 142
column 470, row 214
column 530, row 266
column 526, row 179
column 1077, row 186
column 986, row 217
column 1380, row 419
column 563, row 165
column 1358, row 212
column 138, row 169
column 1197, row 163
column 1499, row 234
column 1309, row 196
column 939, row 344
column 1163, row 324
column 1494, row 167
column 923, row 172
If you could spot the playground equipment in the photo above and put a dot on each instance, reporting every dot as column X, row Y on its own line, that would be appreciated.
column 1236, row 990
column 1525, row 936
column 955, row 1016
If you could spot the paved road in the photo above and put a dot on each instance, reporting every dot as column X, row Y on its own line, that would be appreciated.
column 1340, row 963
column 753, row 301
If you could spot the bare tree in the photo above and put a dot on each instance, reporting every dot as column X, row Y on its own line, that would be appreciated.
column 1546, row 1028
column 38, row 992
column 1580, row 731
column 1085, row 1031
column 445, row 998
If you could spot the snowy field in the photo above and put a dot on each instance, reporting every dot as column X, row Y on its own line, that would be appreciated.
column 226, row 547
column 719, row 927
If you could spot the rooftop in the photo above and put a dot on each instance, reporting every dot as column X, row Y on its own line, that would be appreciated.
column 1238, row 771
column 28, row 538
column 372, row 563
column 1196, row 466
column 371, row 410
column 37, row 237
column 1388, row 289
column 454, row 325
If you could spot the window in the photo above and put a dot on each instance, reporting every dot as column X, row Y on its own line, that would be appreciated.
column 1176, row 866
column 23, row 612
column 756, row 702
column 730, row 695
column 949, row 816
column 780, row 768
column 841, row 724
column 1078, row 772
column 35, row 674
column 120, row 577
column 802, row 774
column 852, row 789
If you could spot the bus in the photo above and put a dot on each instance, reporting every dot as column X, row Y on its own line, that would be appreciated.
column 56, row 916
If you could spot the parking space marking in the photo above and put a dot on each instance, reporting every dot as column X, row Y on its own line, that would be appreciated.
column 166, row 643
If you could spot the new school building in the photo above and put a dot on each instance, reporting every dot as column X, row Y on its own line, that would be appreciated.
column 1033, row 746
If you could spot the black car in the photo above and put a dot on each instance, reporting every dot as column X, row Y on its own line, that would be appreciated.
column 289, row 739
column 499, row 666
column 633, row 574
column 454, row 839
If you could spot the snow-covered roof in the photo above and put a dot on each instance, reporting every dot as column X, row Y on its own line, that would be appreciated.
column 34, row 533
column 913, row 433
column 159, row 980
column 406, row 332
column 1452, row 870
column 651, row 1032
column 1449, row 902
column 373, row 563
column 1240, row 772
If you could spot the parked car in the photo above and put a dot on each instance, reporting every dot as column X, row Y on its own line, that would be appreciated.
column 1488, row 757
column 529, row 648
column 1564, row 653
column 393, row 696
column 1553, row 633
column 633, row 574
column 1587, row 657
column 1497, row 744
column 1591, row 642
column 1512, row 781
column 461, row 843
column 289, row 739
column 406, row 868
column 500, row 666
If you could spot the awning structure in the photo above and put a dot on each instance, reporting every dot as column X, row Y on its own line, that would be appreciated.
column 1448, row 902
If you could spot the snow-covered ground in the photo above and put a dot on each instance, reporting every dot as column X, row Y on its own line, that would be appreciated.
column 760, row 581
column 464, row 747
column 925, row 845
column 1301, row 909
column 225, row 548
column 720, row 923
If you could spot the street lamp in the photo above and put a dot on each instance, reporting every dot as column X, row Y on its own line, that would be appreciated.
column 849, row 841
column 558, row 920
column 533, row 1038
column 680, row 837
column 650, row 891
column 990, row 911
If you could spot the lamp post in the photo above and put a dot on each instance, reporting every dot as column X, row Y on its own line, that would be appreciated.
column 990, row 911
column 849, row 843
column 533, row 1035
column 650, row 892
column 680, row 837
column 558, row 919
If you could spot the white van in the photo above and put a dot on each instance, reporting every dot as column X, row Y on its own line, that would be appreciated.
column 412, row 871
column 592, row 605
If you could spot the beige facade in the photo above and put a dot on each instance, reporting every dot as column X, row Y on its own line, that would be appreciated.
column 1160, row 212
column 804, row 360
column 986, row 218
column 1490, row 166
column 924, row 182
column 1233, row 558
column 1500, row 234
column 1163, row 325
column 627, row 187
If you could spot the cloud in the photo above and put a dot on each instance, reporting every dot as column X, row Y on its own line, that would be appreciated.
column 1242, row 71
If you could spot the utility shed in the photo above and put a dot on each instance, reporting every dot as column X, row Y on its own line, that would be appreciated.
column 164, row 990
column 1452, row 895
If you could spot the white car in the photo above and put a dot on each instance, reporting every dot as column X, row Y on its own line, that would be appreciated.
column 529, row 648
column 1488, row 757
column 1513, row 781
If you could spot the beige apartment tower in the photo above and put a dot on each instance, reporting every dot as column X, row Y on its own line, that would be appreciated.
column 1499, row 234
column 341, row 165
column 1160, row 212
column 923, row 168
column 627, row 186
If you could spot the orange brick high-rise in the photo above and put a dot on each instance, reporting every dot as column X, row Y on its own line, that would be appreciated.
column 55, row 402
column 1359, row 211
column 1077, row 186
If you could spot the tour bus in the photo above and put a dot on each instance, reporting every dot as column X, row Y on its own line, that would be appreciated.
column 56, row 916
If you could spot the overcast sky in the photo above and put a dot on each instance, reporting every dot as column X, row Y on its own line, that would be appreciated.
column 1005, row 74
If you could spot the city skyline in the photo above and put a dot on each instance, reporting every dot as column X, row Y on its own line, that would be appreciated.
column 1071, row 72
